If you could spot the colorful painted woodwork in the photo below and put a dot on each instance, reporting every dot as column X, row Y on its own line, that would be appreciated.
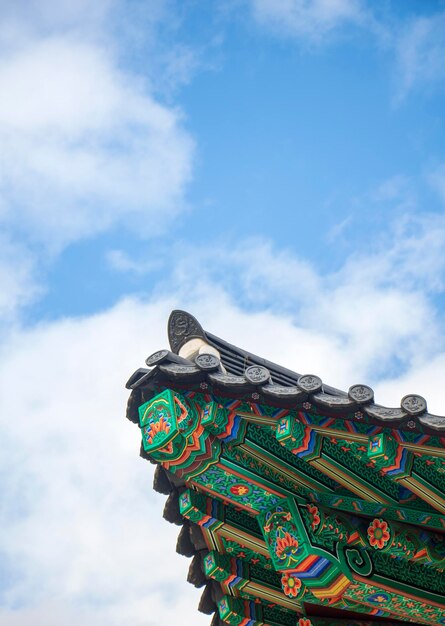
column 315, row 507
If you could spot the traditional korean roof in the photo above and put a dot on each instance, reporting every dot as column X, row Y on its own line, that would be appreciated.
column 300, row 504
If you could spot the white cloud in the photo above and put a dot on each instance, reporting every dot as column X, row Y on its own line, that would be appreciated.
column 17, row 280
column 82, row 528
column 48, row 15
column 416, row 45
column 437, row 180
column 122, row 262
column 420, row 49
column 310, row 19
column 84, row 144
column 425, row 378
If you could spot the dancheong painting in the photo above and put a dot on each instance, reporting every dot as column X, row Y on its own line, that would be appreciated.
column 300, row 504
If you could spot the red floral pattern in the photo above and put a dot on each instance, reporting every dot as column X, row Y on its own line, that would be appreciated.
column 303, row 621
column 315, row 514
column 286, row 546
column 378, row 534
column 240, row 490
column 291, row 585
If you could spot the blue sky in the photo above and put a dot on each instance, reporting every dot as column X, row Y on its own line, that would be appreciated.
column 315, row 137
column 276, row 167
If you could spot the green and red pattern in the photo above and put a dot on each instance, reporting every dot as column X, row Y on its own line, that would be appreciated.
column 302, row 510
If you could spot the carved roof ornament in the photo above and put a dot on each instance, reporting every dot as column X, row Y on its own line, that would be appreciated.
column 181, row 328
column 310, row 383
column 212, row 361
column 362, row 394
column 157, row 357
column 413, row 405
column 207, row 362
column 164, row 356
column 257, row 375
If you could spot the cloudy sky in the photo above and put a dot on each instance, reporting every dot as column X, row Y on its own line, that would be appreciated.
column 277, row 168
